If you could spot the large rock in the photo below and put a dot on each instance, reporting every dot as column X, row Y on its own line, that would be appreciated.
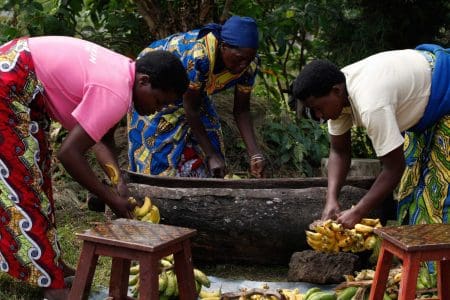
column 322, row 268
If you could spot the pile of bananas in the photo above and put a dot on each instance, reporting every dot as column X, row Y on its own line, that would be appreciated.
column 358, row 287
column 329, row 236
column 168, row 284
column 147, row 212
column 264, row 293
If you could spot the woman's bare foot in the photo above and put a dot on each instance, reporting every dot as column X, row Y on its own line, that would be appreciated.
column 56, row 294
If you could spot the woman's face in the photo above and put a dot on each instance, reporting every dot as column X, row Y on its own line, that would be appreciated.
column 235, row 59
column 329, row 106
column 146, row 99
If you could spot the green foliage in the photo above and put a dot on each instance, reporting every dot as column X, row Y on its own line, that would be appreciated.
column 361, row 144
column 294, row 146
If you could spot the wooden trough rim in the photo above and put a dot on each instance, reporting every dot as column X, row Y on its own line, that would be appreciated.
column 364, row 182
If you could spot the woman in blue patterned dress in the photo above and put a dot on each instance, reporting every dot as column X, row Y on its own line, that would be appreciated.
column 185, row 139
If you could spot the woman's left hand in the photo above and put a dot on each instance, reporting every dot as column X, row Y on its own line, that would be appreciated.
column 257, row 165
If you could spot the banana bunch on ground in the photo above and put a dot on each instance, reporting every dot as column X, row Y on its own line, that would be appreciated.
column 358, row 287
column 329, row 236
column 168, row 284
column 147, row 212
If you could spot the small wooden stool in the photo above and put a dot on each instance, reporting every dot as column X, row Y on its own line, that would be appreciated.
column 413, row 244
column 125, row 240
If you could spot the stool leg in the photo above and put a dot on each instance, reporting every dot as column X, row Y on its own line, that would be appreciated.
column 148, row 278
column 85, row 272
column 118, row 283
column 443, row 279
column 381, row 273
column 185, row 272
column 410, row 271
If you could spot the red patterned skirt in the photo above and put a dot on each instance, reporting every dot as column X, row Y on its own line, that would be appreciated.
column 29, row 249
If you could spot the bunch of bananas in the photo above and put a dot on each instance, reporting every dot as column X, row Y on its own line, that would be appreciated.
column 314, row 293
column 329, row 236
column 147, row 212
column 168, row 284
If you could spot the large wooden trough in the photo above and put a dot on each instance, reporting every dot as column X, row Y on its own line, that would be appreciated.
column 257, row 221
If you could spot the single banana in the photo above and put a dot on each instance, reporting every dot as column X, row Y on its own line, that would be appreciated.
column 112, row 173
column 370, row 222
column 336, row 227
column 139, row 212
column 202, row 278
column 154, row 215
column 134, row 270
column 316, row 245
column 207, row 294
column 361, row 228
column 162, row 279
column 133, row 280
column 316, row 236
column 165, row 263
column 171, row 282
column 370, row 242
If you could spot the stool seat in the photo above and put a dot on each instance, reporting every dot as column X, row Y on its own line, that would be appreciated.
column 413, row 244
column 125, row 240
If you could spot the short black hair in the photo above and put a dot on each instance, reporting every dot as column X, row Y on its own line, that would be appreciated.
column 165, row 70
column 316, row 79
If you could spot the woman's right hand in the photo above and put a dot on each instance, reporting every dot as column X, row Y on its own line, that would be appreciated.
column 216, row 165
column 121, row 208
column 331, row 209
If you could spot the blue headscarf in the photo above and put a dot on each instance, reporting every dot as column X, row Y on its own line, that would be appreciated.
column 241, row 32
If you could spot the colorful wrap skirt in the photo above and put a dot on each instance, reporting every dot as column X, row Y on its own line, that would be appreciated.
column 29, row 250
column 423, row 193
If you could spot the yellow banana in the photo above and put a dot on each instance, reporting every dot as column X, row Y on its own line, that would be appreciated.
column 112, row 173
column 208, row 294
column 316, row 245
column 325, row 231
column 361, row 228
column 316, row 236
column 154, row 215
column 139, row 212
column 370, row 242
column 336, row 227
column 370, row 222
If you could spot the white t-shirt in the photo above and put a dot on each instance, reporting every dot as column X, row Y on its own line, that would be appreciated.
column 388, row 93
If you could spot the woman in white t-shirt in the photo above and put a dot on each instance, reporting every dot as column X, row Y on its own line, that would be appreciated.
column 387, row 94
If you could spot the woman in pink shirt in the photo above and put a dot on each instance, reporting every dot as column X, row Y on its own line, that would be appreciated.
column 88, row 89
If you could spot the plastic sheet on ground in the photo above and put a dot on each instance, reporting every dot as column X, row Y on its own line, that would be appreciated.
column 234, row 285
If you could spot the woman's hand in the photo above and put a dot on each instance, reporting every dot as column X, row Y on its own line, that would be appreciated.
column 348, row 218
column 122, row 188
column 216, row 166
column 257, row 165
column 331, row 210
column 121, row 208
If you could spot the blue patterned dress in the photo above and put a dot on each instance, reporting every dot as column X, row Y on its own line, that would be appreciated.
column 163, row 144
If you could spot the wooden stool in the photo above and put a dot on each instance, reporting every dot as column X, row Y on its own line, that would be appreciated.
column 413, row 244
column 125, row 240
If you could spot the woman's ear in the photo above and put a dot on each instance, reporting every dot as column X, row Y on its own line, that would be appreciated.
column 143, row 79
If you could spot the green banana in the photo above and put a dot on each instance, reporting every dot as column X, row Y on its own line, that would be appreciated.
column 165, row 263
column 310, row 292
column 171, row 281
column 198, row 286
column 347, row 294
column 133, row 279
column 202, row 278
column 134, row 270
column 323, row 296
column 162, row 280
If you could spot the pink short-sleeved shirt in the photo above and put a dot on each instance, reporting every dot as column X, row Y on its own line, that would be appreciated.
column 84, row 83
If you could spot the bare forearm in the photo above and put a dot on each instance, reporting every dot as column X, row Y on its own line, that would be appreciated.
column 244, row 123
column 338, row 167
